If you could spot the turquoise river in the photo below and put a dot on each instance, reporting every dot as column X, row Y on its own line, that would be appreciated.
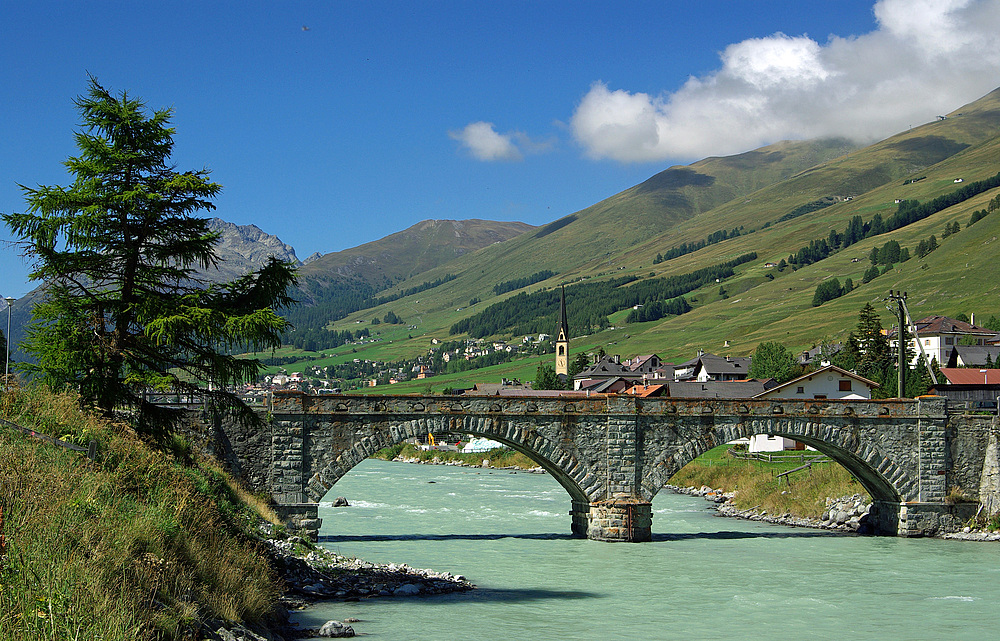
column 702, row 577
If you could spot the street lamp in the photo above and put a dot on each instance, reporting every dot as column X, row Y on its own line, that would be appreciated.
column 6, row 365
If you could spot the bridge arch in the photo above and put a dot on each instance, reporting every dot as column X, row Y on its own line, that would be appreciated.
column 842, row 440
column 370, row 436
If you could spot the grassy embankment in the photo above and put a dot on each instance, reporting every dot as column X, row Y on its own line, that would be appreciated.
column 501, row 457
column 758, row 486
column 139, row 544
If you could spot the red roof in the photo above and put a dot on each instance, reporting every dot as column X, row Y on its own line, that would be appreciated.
column 971, row 376
column 645, row 391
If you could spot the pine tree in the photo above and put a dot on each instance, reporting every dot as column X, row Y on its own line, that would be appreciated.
column 868, row 347
column 125, row 311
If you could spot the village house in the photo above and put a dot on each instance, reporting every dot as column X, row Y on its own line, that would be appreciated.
column 976, row 388
column 709, row 367
column 601, row 372
column 973, row 356
column 828, row 382
column 939, row 335
column 651, row 367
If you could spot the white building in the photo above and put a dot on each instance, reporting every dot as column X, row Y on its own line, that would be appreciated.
column 828, row 382
column 939, row 335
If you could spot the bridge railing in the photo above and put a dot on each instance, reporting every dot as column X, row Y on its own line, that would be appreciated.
column 91, row 449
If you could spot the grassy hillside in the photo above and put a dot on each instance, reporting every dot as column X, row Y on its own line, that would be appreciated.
column 410, row 252
column 771, row 196
column 136, row 545
column 779, row 197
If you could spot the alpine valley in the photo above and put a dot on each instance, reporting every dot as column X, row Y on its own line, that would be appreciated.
column 745, row 240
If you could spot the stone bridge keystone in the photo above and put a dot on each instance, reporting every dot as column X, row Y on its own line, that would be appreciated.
column 612, row 454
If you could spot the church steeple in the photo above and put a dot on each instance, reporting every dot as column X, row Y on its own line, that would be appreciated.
column 562, row 339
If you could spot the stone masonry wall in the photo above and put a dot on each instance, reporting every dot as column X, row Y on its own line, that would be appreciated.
column 614, row 449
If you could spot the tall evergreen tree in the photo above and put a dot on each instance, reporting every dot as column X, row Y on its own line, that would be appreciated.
column 118, row 250
column 867, row 350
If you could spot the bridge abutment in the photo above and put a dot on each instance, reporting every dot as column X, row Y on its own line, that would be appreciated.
column 919, row 519
column 301, row 518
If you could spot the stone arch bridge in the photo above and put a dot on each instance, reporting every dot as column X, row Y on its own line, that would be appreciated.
column 613, row 453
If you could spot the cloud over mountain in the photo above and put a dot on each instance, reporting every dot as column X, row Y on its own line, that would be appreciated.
column 925, row 57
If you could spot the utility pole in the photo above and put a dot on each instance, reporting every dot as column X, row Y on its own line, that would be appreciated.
column 900, row 298
column 6, row 365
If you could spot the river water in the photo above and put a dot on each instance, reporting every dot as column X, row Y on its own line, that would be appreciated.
column 702, row 577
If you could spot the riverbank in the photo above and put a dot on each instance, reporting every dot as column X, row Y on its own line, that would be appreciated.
column 313, row 574
column 844, row 514
column 499, row 459
column 152, row 541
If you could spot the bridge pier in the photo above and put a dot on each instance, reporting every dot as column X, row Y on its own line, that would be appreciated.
column 580, row 518
column 620, row 520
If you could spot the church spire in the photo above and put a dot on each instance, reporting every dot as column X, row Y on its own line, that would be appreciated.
column 563, row 323
column 562, row 339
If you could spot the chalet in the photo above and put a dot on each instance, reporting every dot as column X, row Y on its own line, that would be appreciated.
column 939, row 335
column 828, row 382
column 651, row 367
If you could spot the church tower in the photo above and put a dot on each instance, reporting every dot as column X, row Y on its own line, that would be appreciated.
column 562, row 339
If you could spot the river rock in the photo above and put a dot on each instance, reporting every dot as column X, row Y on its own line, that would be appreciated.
column 341, row 502
column 336, row 630
column 407, row 589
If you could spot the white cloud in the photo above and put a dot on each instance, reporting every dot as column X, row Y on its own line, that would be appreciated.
column 484, row 143
column 927, row 57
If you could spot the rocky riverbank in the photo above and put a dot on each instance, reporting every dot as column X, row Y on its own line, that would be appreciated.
column 312, row 574
column 844, row 514
column 847, row 514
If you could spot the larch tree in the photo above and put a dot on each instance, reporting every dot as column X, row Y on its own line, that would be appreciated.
column 119, row 252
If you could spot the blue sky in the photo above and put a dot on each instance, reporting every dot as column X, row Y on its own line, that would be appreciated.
column 331, row 124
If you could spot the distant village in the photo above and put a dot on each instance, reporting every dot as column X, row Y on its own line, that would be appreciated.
column 967, row 355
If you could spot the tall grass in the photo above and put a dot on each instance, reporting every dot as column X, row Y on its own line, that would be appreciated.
column 137, row 545
column 757, row 485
